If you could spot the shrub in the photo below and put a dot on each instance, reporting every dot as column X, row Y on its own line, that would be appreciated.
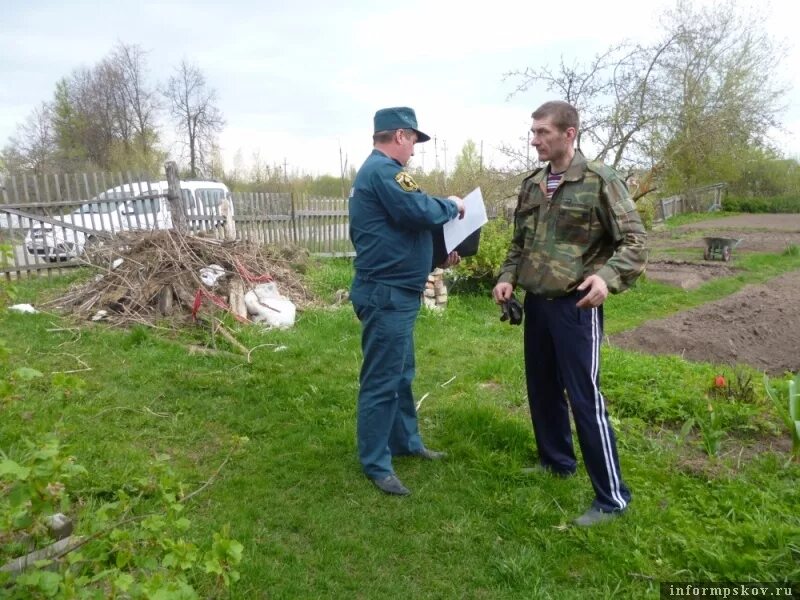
column 480, row 271
column 775, row 204
column 647, row 211
column 133, row 546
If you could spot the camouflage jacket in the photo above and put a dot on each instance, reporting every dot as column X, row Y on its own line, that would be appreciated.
column 590, row 226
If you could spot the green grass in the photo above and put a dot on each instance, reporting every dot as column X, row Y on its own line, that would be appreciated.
column 689, row 218
column 312, row 525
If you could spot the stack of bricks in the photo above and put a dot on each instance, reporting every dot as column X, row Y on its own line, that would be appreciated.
column 435, row 294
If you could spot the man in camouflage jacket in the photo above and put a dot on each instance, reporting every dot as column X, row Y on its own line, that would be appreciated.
column 577, row 237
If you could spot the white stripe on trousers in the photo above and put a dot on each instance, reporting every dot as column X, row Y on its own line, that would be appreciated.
column 602, row 421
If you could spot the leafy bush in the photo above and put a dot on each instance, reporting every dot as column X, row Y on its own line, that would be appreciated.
column 647, row 211
column 133, row 546
column 775, row 204
column 480, row 271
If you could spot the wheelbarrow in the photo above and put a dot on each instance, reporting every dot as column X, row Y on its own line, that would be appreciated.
column 719, row 247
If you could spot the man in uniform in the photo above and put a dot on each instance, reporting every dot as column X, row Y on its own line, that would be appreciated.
column 577, row 237
column 391, row 221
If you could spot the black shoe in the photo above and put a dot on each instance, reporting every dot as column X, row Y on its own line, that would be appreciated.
column 391, row 485
column 429, row 454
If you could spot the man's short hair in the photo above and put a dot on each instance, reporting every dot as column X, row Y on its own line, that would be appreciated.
column 386, row 136
column 563, row 114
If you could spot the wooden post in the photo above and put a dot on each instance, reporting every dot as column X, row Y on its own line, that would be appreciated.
column 226, row 209
column 236, row 299
column 294, row 219
column 174, row 197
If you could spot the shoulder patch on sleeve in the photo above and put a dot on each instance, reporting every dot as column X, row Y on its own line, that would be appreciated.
column 533, row 174
column 606, row 173
column 406, row 182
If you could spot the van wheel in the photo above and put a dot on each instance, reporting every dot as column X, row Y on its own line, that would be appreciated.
column 92, row 243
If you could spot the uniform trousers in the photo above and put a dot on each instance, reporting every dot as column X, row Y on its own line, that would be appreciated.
column 387, row 418
column 562, row 370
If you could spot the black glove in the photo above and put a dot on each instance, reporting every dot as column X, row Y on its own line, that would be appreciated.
column 512, row 311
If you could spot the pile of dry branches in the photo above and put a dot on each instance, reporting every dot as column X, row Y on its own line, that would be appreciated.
column 149, row 276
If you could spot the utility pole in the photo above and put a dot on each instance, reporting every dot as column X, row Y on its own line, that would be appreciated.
column 436, row 151
column 444, row 148
column 342, row 167
column 285, row 172
column 422, row 153
column 528, row 152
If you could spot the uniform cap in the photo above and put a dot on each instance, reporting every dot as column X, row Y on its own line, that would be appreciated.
column 398, row 117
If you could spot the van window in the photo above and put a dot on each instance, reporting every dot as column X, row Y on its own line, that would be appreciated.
column 188, row 200
column 142, row 207
column 210, row 197
column 96, row 208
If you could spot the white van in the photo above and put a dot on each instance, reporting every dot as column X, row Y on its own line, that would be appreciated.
column 207, row 205
column 140, row 205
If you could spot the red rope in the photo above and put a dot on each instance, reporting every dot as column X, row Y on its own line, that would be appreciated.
column 217, row 300
column 249, row 277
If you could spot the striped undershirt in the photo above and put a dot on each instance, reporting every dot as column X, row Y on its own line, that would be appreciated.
column 553, row 179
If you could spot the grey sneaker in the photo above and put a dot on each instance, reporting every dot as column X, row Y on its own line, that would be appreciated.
column 541, row 469
column 429, row 454
column 593, row 516
column 391, row 485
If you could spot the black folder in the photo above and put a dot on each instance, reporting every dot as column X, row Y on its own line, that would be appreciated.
column 469, row 247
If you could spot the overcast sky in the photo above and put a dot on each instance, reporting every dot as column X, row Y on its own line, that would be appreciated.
column 297, row 80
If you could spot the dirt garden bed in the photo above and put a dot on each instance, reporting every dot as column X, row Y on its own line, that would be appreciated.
column 758, row 326
column 758, row 233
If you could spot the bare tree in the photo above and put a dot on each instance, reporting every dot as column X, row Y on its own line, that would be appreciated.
column 106, row 115
column 94, row 111
column 33, row 148
column 681, row 108
column 100, row 117
column 140, row 102
column 197, row 119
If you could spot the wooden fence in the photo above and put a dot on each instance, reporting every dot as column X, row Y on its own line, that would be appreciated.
column 703, row 199
column 74, row 207
column 319, row 224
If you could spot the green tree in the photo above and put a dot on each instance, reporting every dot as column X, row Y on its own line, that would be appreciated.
column 764, row 173
column 469, row 164
column 498, row 187
column 70, row 127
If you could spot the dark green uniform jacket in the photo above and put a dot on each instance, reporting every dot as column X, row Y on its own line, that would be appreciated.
column 589, row 226
column 390, row 224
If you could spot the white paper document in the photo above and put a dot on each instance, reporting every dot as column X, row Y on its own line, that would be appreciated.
column 457, row 230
